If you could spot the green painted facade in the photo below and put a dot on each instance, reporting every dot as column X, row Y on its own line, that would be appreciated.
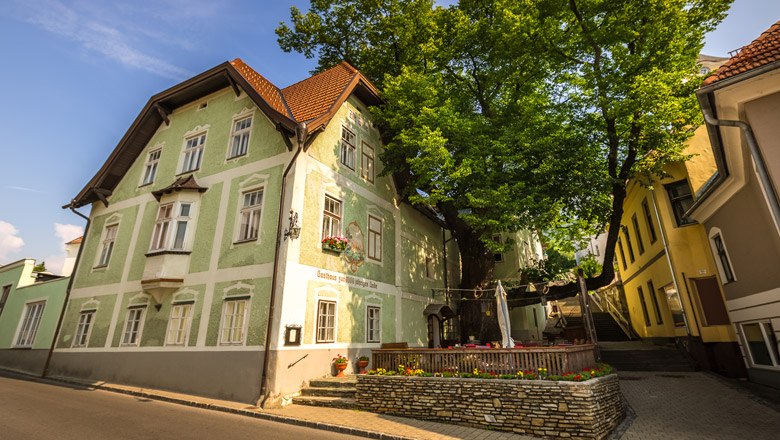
column 23, row 290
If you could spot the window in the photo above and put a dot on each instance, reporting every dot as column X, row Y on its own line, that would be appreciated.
column 374, row 238
column 326, row 321
column 761, row 343
column 373, row 324
column 4, row 297
column 659, row 319
column 498, row 256
column 83, row 328
column 649, row 219
column 639, row 241
column 162, row 238
column 622, row 254
column 644, row 306
column 29, row 326
column 628, row 243
column 367, row 165
column 724, row 264
column 193, row 152
column 233, row 320
column 429, row 267
column 348, row 148
column 249, row 228
column 133, row 326
column 178, row 324
column 331, row 220
column 108, row 245
column 150, row 170
column 681, row 199
column 240, row 138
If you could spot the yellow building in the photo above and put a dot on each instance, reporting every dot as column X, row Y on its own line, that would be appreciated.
column 669, row 274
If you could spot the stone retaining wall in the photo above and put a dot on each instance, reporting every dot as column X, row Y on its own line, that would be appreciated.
column 584, row 410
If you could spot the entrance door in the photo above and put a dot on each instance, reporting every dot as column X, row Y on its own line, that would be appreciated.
column 711, row 306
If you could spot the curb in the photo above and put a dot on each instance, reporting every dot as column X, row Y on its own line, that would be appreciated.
column 341, row 429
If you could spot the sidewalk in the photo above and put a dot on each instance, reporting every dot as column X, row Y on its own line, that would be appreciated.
column 353, row 422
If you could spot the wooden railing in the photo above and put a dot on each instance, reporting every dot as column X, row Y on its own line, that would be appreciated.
column 557, row 360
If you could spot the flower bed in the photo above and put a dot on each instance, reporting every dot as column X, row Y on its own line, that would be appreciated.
column 538, row 374
column 530, row 403
column 334, row 244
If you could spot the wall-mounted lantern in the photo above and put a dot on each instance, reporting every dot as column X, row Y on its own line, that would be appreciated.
column 293, row 230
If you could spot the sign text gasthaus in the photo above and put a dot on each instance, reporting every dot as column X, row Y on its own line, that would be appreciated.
column 346, row 279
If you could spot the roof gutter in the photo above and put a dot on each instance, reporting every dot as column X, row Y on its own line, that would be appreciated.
column 706, row 97
column 45, row 371
column 301, row 135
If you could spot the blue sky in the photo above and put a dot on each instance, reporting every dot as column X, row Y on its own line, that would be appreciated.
column 76, row 73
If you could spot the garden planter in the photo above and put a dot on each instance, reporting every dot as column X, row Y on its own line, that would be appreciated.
column 326, row 247
column 340, row 369
column 362, row 365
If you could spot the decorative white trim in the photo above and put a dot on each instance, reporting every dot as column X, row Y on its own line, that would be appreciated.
column 88, row 305
column 180, row 296
column 248, row 288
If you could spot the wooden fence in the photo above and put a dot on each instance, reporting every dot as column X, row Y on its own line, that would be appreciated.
column 557, row 360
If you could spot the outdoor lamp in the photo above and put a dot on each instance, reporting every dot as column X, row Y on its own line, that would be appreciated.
column 294, row 230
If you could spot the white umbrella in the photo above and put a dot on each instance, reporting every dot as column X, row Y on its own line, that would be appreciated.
column 503, row 317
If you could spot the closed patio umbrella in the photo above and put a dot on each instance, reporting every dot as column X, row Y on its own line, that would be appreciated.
column 503, row 317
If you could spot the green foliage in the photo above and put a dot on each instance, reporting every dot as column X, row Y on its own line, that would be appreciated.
column 510, row 115
column 40, row 267
column 590, row 266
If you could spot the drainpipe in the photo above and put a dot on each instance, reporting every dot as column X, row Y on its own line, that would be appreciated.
column 301, row 133
column 45, row 371
column 758, row 158
column 669, row 261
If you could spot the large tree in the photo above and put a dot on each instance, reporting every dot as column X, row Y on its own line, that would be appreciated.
column 519, row 114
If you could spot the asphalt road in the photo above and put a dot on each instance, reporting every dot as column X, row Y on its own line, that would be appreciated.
column 34, row 410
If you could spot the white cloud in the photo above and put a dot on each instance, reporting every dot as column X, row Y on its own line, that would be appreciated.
column 24, row 188
column 64, row 233
column 10, row 242
column 95, row 35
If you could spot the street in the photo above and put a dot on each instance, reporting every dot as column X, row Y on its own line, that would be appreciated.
column 33, row 410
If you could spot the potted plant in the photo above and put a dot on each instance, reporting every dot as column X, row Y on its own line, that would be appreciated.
column 340, row 362
column 334, row 244
column 362, row 363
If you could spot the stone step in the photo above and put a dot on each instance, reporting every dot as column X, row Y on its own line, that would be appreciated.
column 330, row 402
column 349, row 382
column 329, row 392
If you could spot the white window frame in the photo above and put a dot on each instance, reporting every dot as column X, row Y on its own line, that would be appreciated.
column 166, row 229
column 347, row 148
column 141, row 312
column 773, row 351
column 27, row 329
column 244, row 134
column 108, row 243
column 716, row 232
column 334, row 327
column 150, row 167
column 230, row 335
column 81, row 333
column 183, row 324
column 374, row 236
column 378, row 323
column 188, row 152
column 329, row 217
column 367, row 163
column 254, row 212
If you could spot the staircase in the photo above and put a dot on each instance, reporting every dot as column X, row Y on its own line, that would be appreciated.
column 330, row 392
column 643, row 356
column 606, row 328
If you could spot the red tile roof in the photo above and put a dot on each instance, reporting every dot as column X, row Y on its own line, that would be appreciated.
column 314, row 96
column 762, row 51
column 76, row 240
column 266, row 89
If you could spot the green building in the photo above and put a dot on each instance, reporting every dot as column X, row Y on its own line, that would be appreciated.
column 203, row 269
column 30, row 306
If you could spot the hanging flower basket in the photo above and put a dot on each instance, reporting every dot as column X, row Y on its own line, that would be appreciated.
column 334, row 244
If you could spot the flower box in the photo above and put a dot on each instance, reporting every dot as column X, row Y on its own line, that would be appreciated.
column 334, row 244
